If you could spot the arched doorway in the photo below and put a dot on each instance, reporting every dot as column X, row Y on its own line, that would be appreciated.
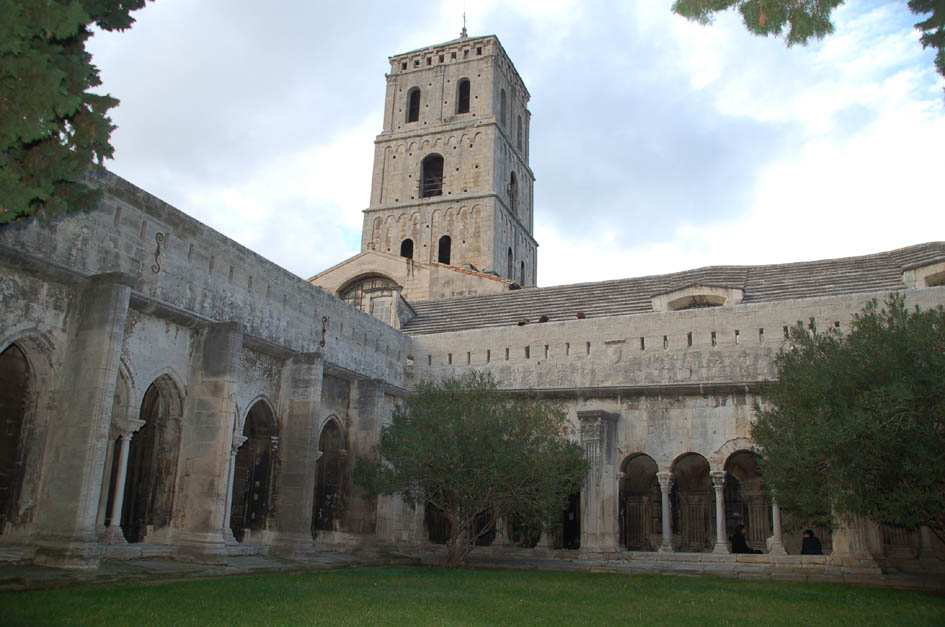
column 693, row 503
column 437, row 524
column 152, row 463
column 523, row 531
column 14, row 396
column 640, row 504
column 569, row 536
column 745, row 500
column 252, row 473
column 330, row 479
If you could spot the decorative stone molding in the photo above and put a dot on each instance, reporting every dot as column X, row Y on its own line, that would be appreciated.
column 927, row 275
column 695, row 296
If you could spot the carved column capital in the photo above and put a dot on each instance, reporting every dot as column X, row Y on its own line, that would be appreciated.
column 664, row 478
column 718, row 479
column 238, row 441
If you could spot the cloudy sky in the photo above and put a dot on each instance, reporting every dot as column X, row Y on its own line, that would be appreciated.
column 658, row 144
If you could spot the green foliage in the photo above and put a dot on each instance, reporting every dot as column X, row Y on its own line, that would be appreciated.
column 467, row 447
column 804, row 19
column 51, row 126
column 856, row 423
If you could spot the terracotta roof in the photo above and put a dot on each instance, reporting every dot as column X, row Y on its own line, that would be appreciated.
column 770, row 283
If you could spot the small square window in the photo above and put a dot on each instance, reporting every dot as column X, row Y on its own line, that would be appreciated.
column 453, row 55
column 416, row 62
column 429, row 60
column 479, row 51
column 442, row 58
column 403, row 65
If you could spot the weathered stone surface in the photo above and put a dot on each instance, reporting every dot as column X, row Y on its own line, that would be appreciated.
column 136, row 319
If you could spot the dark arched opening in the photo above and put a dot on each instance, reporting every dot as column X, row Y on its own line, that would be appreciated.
column 14, row 395
column 693, row 503
column 152, row 463
column 252, row 473
column 518, row 133
column 436, row 523
column 639, row 509
column 570, row 534
column 745, row 500
column 484, row 528
column 331, row 472
column 508, row 269
column 431, row 176
column 413, row 104
column 462, row 96
column 513, row 193
column 524, row 531
column 503, row 106
column 406, row 248
column 521, row 275
column 443, row 249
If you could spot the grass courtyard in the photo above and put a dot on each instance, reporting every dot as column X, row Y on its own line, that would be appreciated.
column 430, row 596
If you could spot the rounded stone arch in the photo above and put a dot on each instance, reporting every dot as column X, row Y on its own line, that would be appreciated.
column 693, row 503
column 720, row 456
column 640, row 497
column 452, row 141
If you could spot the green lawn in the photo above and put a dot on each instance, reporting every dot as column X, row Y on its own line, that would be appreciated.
column 425, row 596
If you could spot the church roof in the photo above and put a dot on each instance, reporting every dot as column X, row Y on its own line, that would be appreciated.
column 769, row 283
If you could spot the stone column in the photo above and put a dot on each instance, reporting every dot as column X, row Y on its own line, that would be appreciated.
column 210, row 422
column 114, row 533
column 926, row 545
column 718, row 484
column 238, row 441
column 501, row 533
column 775, row 542
column 665, row 481
column 67, row 506
column 851, row 547
column 599, row 497
column 298, row 454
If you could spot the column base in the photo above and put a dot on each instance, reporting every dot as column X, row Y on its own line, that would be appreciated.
column 775, row 548
column 665, row 548
column 721, row 548
column 71, row 554
column 114, row 535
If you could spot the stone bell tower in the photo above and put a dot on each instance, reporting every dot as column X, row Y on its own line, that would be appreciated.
column 451, row 182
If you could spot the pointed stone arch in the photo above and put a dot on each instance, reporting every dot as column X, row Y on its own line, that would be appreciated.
column 331, row 477
column 251, row 502
column 148, row 499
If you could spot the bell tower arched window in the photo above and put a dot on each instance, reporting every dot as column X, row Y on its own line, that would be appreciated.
column 406, row 248
column 462, row 96
column 502, row 106
column 513, row 193
column 413, row 104
column 431, row 176
column 443, row 249
column 518, row 133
